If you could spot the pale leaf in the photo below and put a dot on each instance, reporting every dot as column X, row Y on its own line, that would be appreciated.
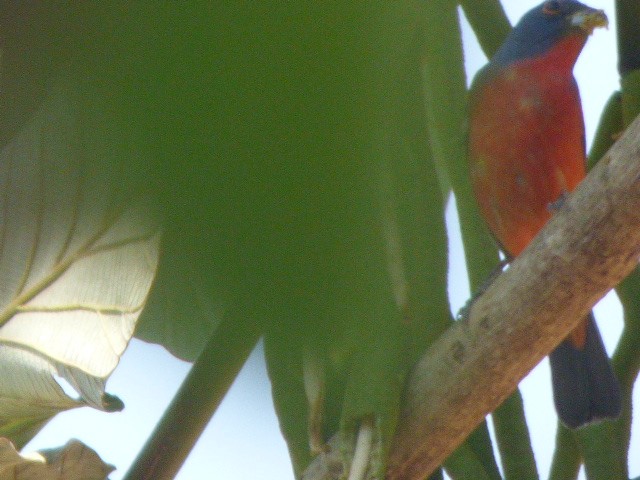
column 74, row 461
column 78, row 253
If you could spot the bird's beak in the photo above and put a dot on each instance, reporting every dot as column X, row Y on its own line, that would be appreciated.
column 589, row 19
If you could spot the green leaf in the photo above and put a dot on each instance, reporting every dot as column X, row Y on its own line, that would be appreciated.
column 181, row 313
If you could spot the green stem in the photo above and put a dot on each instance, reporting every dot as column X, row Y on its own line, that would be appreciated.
column 611, row 461
column 603, row 450
column 464, row 464
column 480, row 444
column 284, row 359
column 198, row 398
column 489, row 23
column 626, row 360
column 512, row 433
column 566, row 457
column 491, row 26
column 627, row 17
column 630, row 96
column 445, row 101
column 609, row 127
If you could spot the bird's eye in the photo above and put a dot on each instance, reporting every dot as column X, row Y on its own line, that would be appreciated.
column 551, row 7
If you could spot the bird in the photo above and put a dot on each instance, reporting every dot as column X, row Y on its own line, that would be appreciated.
column 526, row 153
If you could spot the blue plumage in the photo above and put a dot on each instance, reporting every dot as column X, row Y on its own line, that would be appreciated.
column 540, row 29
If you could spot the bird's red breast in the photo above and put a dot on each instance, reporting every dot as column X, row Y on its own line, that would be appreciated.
column 526, row 142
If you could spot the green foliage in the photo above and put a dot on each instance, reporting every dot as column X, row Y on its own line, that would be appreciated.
column 299, row 185
column 609, row 127
column 566, row 458
column 302, row 154
column 512, row 433
column 489, row 23
column 465, row 464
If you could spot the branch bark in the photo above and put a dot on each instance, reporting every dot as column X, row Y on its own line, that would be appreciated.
column 589, row 246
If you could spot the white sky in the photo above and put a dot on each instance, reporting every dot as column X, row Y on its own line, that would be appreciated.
column 242, row 440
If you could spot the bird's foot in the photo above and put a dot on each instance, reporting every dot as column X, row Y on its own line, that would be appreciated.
column 463, row 313
column 557, row 205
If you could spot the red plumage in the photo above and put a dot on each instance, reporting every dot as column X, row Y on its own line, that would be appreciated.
column 526, row 143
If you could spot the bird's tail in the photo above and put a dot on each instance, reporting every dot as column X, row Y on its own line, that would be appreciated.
column 585, row 389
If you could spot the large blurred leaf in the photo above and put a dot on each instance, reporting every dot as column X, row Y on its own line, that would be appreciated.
column 181, row 312
column 78, row 254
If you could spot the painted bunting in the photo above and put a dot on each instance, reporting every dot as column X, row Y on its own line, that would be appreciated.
column 526, row 152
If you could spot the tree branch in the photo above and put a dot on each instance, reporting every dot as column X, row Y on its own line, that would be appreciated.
column 589, row 246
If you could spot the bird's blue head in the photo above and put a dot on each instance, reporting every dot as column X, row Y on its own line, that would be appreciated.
column 545, row 25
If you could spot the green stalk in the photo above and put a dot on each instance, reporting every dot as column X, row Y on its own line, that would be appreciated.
column 566, row 457
column 489, row 22
column 603, row 450
column 465, row 464
column 515, row 448
column 627, row 16
column 609, row 128
column 197, row 399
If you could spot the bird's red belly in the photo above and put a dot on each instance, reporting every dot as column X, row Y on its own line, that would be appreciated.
column 526, row 149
